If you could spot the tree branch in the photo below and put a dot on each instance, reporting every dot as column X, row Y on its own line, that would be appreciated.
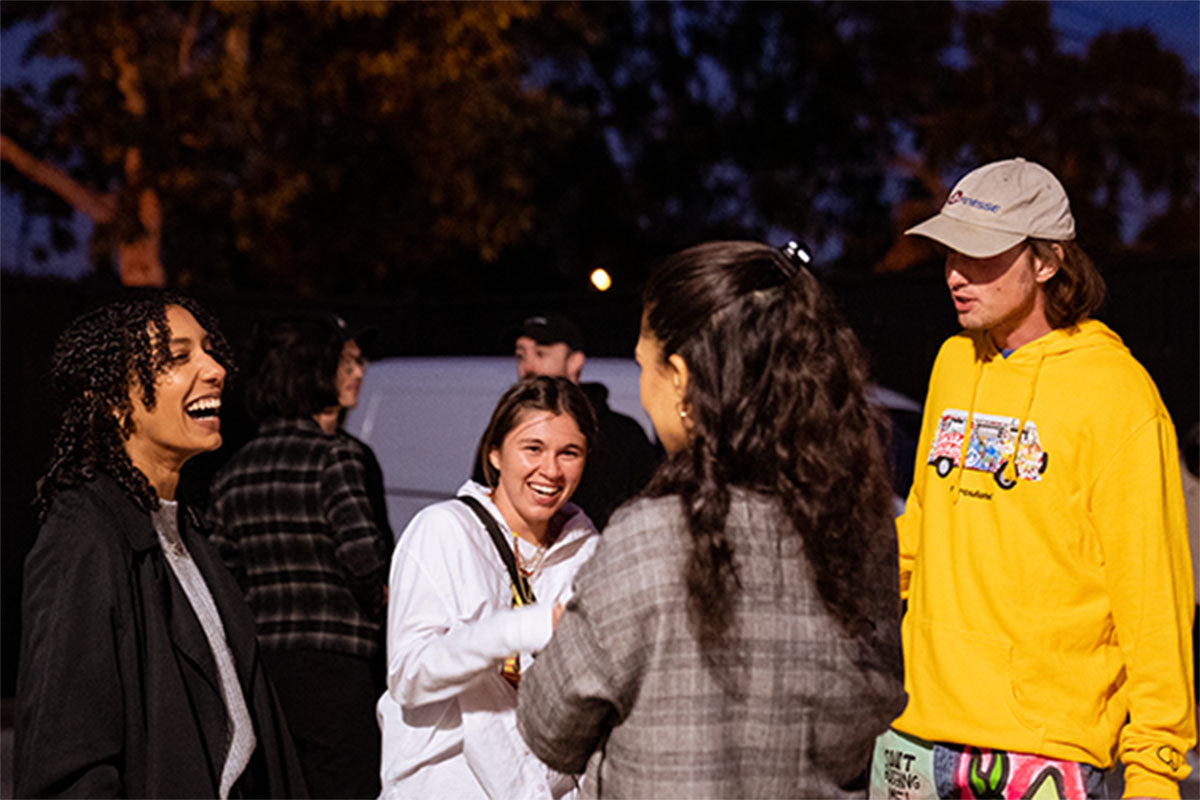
column 98, row 206
column 187, row 40
column 129, row 83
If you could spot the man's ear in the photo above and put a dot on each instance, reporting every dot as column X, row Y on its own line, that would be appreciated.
column 575, row 365
column 1044, row 270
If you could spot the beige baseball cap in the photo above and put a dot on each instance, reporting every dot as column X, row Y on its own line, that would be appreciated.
column 998, row 206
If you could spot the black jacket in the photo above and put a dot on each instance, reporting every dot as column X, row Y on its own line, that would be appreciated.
column 620, row 464
column 118, row 694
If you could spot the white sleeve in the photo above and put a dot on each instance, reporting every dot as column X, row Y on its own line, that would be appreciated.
column 497, row 755
column 433, row 650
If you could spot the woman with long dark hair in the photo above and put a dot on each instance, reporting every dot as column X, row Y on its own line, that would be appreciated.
column 475, row 585
column 139, row 673
column 737, row 632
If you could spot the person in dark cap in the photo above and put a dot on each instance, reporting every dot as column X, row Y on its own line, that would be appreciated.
column 298, row 516
column 623, row 459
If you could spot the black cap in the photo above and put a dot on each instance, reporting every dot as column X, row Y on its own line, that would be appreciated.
column 549, row 329
column 363, row 336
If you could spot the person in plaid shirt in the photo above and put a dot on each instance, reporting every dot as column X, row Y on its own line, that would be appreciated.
column 298, row 516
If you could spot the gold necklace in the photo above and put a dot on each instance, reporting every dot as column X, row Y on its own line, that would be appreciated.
column 534, row 565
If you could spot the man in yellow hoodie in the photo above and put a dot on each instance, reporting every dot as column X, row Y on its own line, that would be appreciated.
column 1043, row 546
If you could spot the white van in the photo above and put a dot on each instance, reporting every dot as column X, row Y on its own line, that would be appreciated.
column 423, row 417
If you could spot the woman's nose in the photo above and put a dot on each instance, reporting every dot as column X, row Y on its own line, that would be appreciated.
column 212, row 370
column 549, row 466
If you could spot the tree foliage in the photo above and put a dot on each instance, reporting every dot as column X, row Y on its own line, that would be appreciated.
column 464, row 147
column 314, row 146
column 1117, row 123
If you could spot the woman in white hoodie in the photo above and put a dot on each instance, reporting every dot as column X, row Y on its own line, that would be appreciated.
column 476, row 586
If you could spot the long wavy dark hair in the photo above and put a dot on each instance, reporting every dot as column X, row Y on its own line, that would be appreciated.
column 776, row 403
column 96, row 361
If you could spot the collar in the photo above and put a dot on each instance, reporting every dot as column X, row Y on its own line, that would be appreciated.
column 577, row 525
column 306, row 424
column 135, row 525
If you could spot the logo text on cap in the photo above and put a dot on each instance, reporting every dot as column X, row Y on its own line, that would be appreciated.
column 959, row 197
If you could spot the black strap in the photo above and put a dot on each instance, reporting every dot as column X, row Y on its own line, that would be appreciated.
column 520, row 582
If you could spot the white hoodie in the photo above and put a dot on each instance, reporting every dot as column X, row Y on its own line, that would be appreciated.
column 448, row 718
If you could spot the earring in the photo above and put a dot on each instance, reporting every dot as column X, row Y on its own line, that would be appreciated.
column 683, row 415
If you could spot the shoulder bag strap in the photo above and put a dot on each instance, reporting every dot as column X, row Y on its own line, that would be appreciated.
column 521, row 588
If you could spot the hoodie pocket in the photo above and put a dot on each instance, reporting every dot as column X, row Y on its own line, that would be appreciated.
column 966, row 678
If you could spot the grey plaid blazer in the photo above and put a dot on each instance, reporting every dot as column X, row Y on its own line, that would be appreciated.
column 622, row 689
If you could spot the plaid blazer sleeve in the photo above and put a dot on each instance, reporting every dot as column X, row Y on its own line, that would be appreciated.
column 227, row 547
column 360, row 547
column 586, row 679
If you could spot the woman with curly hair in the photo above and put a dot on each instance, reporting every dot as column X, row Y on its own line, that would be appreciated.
column 736, row 633
column 139, row 673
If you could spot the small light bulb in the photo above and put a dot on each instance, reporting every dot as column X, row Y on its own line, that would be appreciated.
column 601, row 279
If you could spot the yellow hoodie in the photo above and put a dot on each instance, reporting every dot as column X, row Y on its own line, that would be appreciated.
column 1050, row 595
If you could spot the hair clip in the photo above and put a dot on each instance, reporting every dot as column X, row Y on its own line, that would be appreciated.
column 797, row 256
column 797, row 253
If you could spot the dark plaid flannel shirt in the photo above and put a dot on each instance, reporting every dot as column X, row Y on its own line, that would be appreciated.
column 293, row 520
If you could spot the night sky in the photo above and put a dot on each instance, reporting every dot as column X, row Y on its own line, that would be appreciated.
column 1176, row 23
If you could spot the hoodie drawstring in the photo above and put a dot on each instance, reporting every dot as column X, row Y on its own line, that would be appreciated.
column 1037, row 371
column 968, row 428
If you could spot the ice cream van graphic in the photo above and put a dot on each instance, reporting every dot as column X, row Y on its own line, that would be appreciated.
column 990, row 444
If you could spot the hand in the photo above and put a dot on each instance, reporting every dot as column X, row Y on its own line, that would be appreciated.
column 556, row 615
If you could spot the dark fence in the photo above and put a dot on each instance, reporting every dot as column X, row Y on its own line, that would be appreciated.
column 1154, row 305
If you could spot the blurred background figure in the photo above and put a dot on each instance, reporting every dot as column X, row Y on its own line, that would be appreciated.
column 139, row 673
column 298, row 517
column 456, row 644
column 736, row 633
column 622, row 459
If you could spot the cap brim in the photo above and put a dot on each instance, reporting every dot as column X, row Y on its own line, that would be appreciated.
column 970, row 240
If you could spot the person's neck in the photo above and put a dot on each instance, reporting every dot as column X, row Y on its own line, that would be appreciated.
column 540, row 535
column 328, row 419
column 535, row 534
column 1007, row 341
column 163, row 476
column 1011, row 334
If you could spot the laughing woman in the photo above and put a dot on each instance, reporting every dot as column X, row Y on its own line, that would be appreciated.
column 139, row 673
column 456, row 644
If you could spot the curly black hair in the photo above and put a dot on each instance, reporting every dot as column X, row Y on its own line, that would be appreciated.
column 776, row 403
column 96, row 361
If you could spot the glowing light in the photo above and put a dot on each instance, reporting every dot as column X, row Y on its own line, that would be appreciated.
column 601, row 279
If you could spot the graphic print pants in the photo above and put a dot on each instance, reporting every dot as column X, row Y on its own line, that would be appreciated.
column 907, row 768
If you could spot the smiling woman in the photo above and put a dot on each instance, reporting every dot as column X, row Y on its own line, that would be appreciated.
column 456, row 644
column 182, row 417
column 139, row 674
